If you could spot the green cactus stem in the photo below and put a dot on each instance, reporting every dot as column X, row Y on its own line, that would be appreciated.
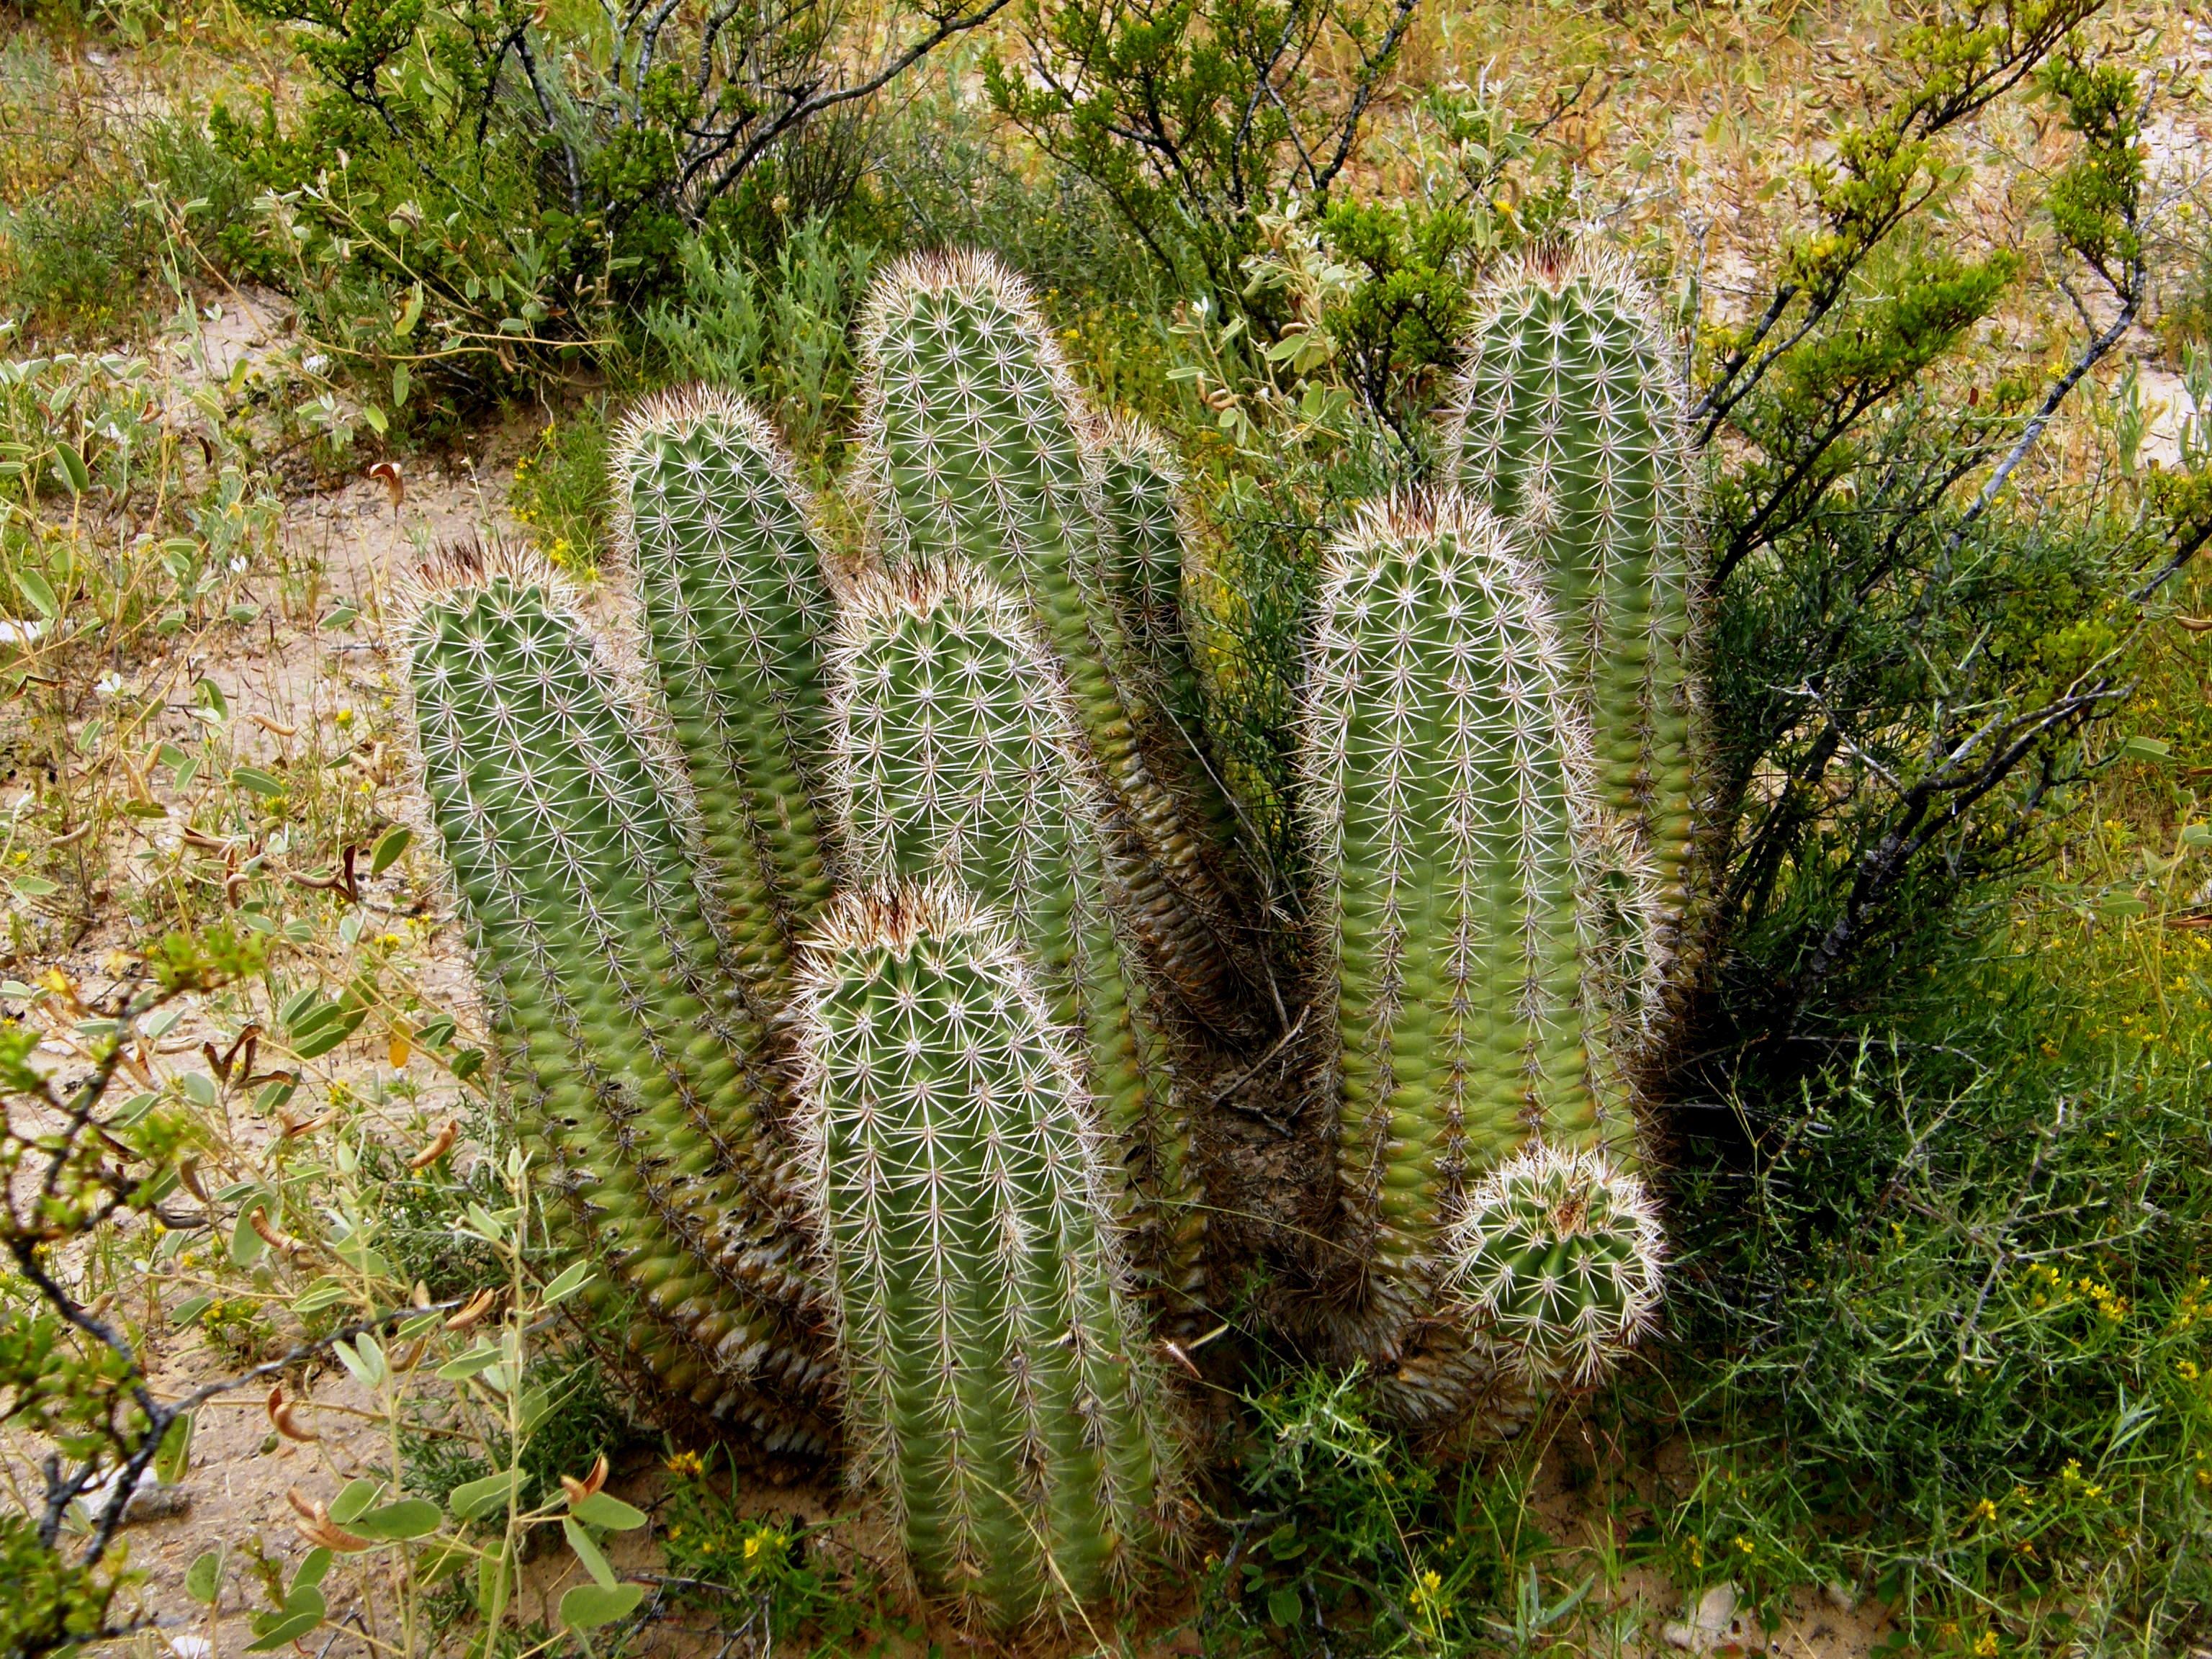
column 1145, row 538
column 1559, row 1254
column 720, row 533
column 1568, row 419
column 628, row 1053
column 956, row 747
column 996, row 1388
column 973, row 449
column 1445, row 776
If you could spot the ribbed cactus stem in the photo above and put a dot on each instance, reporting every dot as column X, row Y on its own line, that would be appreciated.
column 629, row 1054
column 1568, row 419
column 996, row 1387
column 956, row 748
column 1445, row 775
column 1560, row 1254
column 973, row 450
column 1144, row 539
column 735, row 609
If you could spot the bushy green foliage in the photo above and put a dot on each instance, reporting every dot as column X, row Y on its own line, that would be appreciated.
column 1198, row 120
column 779, row 329
column 1963, row 1295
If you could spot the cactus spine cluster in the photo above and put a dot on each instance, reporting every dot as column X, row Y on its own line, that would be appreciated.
column 869, row 967
column 996, row 1384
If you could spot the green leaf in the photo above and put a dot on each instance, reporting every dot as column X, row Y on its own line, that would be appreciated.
column 188, row 1311
column 312, row 1565
column 588, row 1607
column 284, row 1631
column 69, row 461
column 364, row 1359
column 245, row 1245
column 445, row 1557
column 375, row 416
column 34, row 588
column 2196, row 835
column 399, row 383
column 468, row 1365
column 354, row 1500
column 602, row 1510
column 389, row 846
column 411, row 1517
column 175, row 1456
column 2143, row 748
column 324, row 1292
column 595, row 1562
column 479, row 1498
column 255, row 782
column 203, row 1578
column 35, row 886
column 1282, row 1608
column 572, row 1280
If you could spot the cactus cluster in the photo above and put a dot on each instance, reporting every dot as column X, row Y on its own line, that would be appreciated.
column 865, row 936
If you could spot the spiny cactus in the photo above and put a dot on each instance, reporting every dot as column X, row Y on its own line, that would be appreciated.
column 958, row 754
column 1145, row 538
column 973, row 445
column 996, row 1387
column 995, row 1072
column 1568, row 419
column 1446, row 772
column 1558, row 1252
column 735, row 606
column 633, row 1061
column 1445, row 789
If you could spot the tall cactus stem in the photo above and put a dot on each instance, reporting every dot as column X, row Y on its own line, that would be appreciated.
column 1445, row 779
column 956, row 747
column 996, row 1387
column 972, row 447
column 1144, row 539
column 1568, row 418
column 730, row 576
column 561, row 821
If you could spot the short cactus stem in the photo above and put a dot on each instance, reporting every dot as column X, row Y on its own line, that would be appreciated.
column 1445, row 780
column 735, row 606
column 997, row 1392
column 1568, row 420
column 1558, row 1256
column 630, row 1056
column 956, row 749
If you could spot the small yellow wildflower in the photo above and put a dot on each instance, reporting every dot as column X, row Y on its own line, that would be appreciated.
column 686, row 1464
column 1984, row 1510
column 1985, row 1645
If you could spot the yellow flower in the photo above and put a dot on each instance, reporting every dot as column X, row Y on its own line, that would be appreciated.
column 1985, row 1645
column 2188, row 1370
column 688, row 1463
column 752, row 1547
column 1984, row 1510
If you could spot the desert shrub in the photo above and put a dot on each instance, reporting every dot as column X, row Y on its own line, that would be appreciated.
column 778, row 328
column 513, row 205
column 1947, row 1340
column 1199, row 121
